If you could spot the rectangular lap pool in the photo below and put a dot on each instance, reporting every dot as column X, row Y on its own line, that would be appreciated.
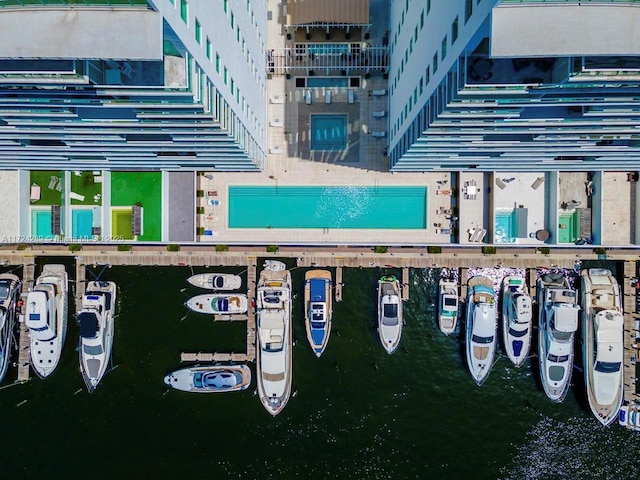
column 328, row 132
column 318, row 82
column 82, row 221
column 41, row 224
column 327, row 207
column 505, row 227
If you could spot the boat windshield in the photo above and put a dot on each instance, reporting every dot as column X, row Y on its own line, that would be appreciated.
column 607, row 367
column 218, row 282
column 518, row 333
column 477, row 339
column 558, row 359
column 390, row 313
column 4, row 289
column 93, row 349
column 451, row 302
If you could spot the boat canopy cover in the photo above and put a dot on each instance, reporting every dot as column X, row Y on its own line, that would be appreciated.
column 318, row 289
column 88, row 324
column 218, row 282
column 566, row 318
column 220, row 304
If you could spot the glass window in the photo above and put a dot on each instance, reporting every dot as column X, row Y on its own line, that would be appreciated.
column 209, row 49
column 198, row 32
column 225, row 75
column 468, row 10
column 443, row 47
column 454, row 31
column 435, row 63
column 421, row 19
column 184, row 11
column 217, row 63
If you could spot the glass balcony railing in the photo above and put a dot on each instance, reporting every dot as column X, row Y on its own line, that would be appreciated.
column 52, row 3
column 582, row 2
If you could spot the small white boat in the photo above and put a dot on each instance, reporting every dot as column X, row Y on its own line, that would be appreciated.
column 516, row 318
column 447, row 305
column 218, row 304
column 317, row 313
column 46, row 318
column 96, row 331
column 602, row 343
column 210, row 379
column 274, row 265
column 274, row 347
column 215, row 281
column 389, row 313
column 557, row 325
column 481, row 325
column 629, row 416
column 9, row 291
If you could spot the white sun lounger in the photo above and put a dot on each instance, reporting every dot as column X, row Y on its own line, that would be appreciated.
column 327, row 96
column 352, row 96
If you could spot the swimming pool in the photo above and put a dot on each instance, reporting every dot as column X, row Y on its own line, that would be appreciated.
column 81, row 222
column 318, row 82
column 505, row 227
column 41, row 224
column 327, row 207
column 328, row 132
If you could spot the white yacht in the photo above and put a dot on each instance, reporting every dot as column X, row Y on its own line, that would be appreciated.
column 210, row 379
column 481, row 325
column 218, row 303
column 602, row 343
column 317, row 308
column 275, row 343
column 447, row 305
column 557, row 324
column 9, row 291
column 389, row 313
column 215, row 281
column 96, row 319
column 46, row 317
column 516, row 318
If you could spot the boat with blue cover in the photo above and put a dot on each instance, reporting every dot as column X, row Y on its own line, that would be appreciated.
column 317, row 301
column 389, row 313
column 447, row 305
column 218, row 304
column 46, row 318
column 9, row 291
column 96, row 321
column 481, row 325
column 210, row 379
column 516, row 318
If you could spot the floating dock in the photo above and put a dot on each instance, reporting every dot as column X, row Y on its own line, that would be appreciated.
column 24, row 343
column 631, row 335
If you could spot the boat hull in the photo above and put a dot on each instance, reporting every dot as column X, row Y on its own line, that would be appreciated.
column 516, row 319
column 8, row 320
column 481, row 326
column 215, row 281
column 218, row 304
column 194, row 379
column 447, row 312
column 389, row 313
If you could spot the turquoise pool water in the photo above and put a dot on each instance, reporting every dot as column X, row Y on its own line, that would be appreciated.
column 317, row 82
column 41, row 224
column 82, row 221
column 328, row 132
column 327, row 207
column 505, row 226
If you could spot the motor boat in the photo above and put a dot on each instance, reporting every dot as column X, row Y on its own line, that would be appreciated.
column 46, row 318
column 210, row 379
column 96, row 321
column 274, row 347
column 317, row 313
column 447, row 305
column 389, row 313
column 215, row 281
column 602, row 343
column 480, row 327
column 557, row 324
column 516, row 318
column 218, row 304
column 629, row 416
column 9, row 291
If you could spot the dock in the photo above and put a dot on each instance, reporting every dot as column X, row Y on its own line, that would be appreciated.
column 338, row 284
column 405, row 283
column 252, row 272
column 24, row 352
column 631, row 335
column 213, row 357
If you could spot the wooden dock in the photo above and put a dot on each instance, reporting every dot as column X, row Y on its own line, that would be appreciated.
column 24, row 352
column 631, row 334
column 252, row 271
column 236, row 317
column 405, row 283
column 338, row 284
column 213, row 357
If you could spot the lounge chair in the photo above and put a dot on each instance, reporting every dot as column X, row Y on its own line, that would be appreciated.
column 35, row 192
column 52, row 182
column 327, row 96
column 379, row 93
column 379, row 134
column 352, row 96
column 379, row 114
column 307, row 97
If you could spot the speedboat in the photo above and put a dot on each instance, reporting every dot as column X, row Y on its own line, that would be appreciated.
column 46, row 318
column 215, row 281
column 275, row 342
column 447, row 305
column 389, row 313
column 481, row 325
column 602, row 343
column 9, row 291
column 516, row 318
column 317, row 313
column 96, row 331
column 210, row 379
column 218, row 304
column 557, row 325
column 274, row 265
column 629, row 416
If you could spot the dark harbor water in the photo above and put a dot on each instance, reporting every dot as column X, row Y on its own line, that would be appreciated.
column 357, row 413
